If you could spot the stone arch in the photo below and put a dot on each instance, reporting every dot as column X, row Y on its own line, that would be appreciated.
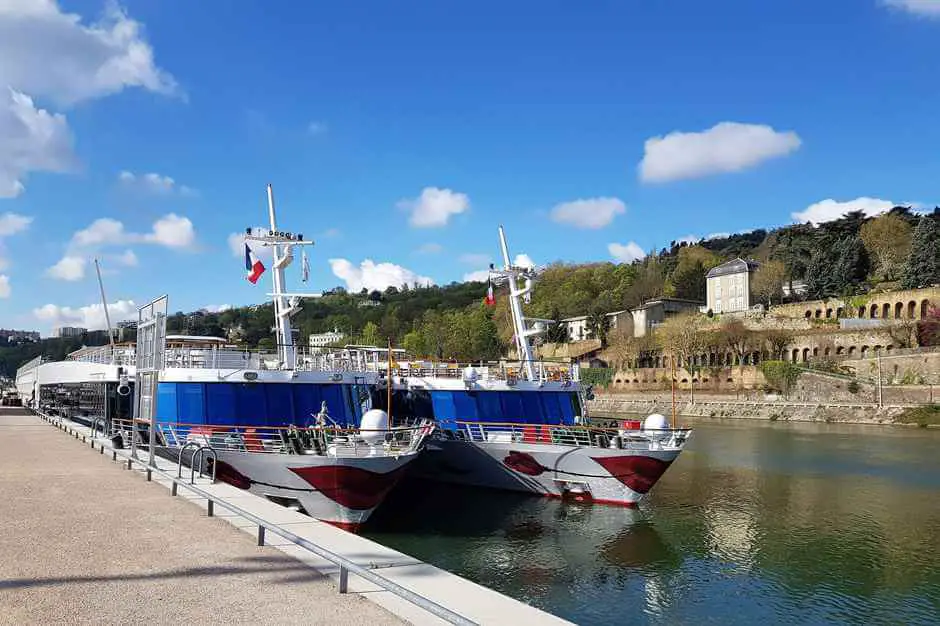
column 911, row 309
column 827, row 352
column 805, row 355
column 796, row 355
column 828, row 314
column 818, row 313
column 861, row 312
column 808, row 314
column 840, row 312
column 851, row 349
column 840, row 350
column 635, row 381
column 878, row 348
column 889, row 347
column 815, row 352
column 685, row 380
column 924, row 305
column 886, row 311
column 898, row 310
column 864, row 350
column 873, row 312
column 619, row 381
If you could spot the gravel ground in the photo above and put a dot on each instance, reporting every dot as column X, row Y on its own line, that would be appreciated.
column 82, row 542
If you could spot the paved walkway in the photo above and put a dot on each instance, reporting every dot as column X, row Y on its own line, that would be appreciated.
column 83, row 542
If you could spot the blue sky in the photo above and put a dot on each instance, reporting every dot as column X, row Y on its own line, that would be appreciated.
column 403, row 133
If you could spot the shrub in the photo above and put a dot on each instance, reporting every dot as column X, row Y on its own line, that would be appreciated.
column 597, row 376
column 852, row 387
column 780, row 375
column 923, row 416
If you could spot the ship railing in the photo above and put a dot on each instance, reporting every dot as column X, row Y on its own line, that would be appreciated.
column 314, row 439
column 105, row 355
column 565, row 435
column 510, row 372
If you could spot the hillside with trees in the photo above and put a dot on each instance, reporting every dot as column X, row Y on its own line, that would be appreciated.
column 844, row 257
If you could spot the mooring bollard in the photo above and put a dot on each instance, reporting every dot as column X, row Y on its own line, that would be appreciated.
column 343, row 579
column 210, row 509
column 174, row 488
column 149, row 474
column 114, row 456
column 260, row 535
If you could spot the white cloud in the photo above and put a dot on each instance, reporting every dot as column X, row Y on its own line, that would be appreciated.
column 829, row 209
column 689, row 239
column 172, row 231
column 127, row 258
column 91, row 317
column 50, row 54
column 480, row 276
column 316, row 128
column 4, row 286
column 371, row 275
column 102, row 231
column 923, row 8
column 216, row 308
column 434, row 207
column 13, row 223
column 429, row 248
column 711, row 236
column 157, row 184
column 725, row 147
column 31, row 139
column 590, row 213
column 626, row 253
column 475, row 258
column 69, row 268
column 523, row 260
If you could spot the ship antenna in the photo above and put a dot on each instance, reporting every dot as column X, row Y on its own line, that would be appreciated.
column 104, row 303
column 524, row 348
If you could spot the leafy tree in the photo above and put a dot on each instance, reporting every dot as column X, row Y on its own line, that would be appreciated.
column 928, row 329
column 923, row 263
column 768, row 281
column 556, row 332
column 688, row 280
column 598, row 325
column 820, row 279
column 852, row 265
column 739, row 339
column 887, row 239
column 370, row 335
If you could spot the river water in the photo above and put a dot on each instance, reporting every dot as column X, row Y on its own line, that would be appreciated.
column 756, row 523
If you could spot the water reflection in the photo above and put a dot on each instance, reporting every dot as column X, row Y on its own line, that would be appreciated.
column 755, row 523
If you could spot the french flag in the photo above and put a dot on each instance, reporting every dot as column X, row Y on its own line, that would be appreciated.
column 253, row 266
column 490, row 299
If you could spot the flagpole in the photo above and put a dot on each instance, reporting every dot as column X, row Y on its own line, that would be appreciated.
column 389, row 378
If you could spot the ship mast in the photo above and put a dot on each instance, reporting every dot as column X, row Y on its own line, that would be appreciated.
column 285, row 304
column 521, row 331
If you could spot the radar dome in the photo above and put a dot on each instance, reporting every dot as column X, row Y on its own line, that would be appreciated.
column 374, row 426
column 655, row 421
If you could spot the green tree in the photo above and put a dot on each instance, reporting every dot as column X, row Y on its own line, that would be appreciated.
column 851, row 267
column 370, row 335
column 923, row 263
column 556, row 332
column 598, row 325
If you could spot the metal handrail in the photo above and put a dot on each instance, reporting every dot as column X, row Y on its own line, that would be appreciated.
column 179, row 466
column 205, row 449
column 346, row 566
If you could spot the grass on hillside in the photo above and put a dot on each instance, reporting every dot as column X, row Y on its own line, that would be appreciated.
column 923, row 416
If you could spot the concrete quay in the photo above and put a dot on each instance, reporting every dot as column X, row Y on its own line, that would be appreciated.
column 90, row 542
column 84, row 542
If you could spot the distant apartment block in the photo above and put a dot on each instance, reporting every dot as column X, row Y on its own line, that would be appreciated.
column 578, row 326
column 18, row 336
column 68, row 331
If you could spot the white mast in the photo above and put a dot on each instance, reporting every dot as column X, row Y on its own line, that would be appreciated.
column 104, row 303
column 521, row 332
column 285, row 304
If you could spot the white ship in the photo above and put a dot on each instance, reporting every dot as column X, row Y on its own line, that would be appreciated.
column 295, row 428
column 521, row 425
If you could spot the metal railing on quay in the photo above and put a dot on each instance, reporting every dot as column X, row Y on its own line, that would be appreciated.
column 345, row 565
